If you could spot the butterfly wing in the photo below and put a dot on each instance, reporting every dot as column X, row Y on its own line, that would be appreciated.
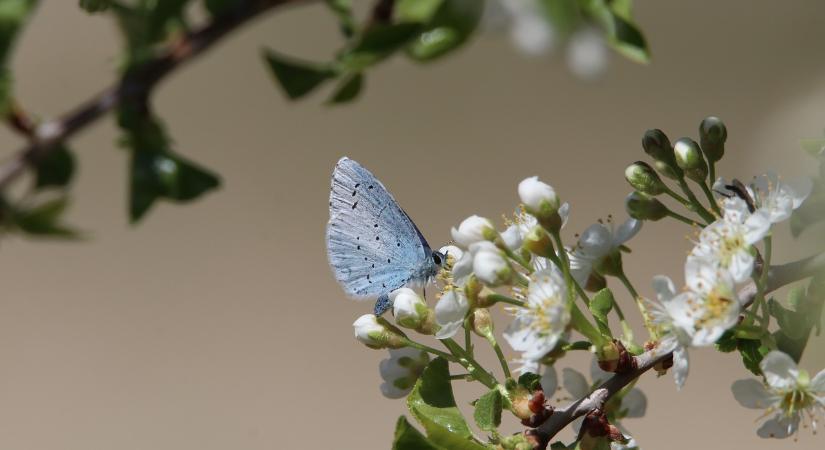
column 372, row 245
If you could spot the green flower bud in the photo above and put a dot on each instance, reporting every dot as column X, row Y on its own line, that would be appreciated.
column 690, row 160
column 657, row 145
column 712, row 136
column 538, row 242
column 643, row 207
column 482, row 323
column 644, row 179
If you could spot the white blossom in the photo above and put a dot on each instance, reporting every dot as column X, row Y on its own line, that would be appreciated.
column 529, row 30
column 490, row 264
column 779, row 198
column 538, row 197
column 728, row 242
column 789, row 394
column 587, row 53
column 537, row 327
column 671, row 325
column 401, row 370
column 368, row 330
column 450, row 312
column 597, row 242
column 711, row 304
column 471, row 230
column 408, row 308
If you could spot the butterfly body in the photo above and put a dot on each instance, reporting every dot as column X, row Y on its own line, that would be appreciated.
column 372, row 244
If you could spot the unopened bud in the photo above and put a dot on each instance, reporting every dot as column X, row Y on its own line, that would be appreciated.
column 595, row 282
column 377, row 333
column 482, row 322
column 712, row 136
column 644, row 179
column 490, row 265
column 472, row 289
column 690, row 160
column 408, row 308
column 608, row 356
column 657, row 145
column 643, row 207
column 539, row 199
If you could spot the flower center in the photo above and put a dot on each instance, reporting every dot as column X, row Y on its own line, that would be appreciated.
column 716, row 306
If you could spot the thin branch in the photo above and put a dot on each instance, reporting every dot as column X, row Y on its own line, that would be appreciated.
column 777, row 277
column 135, row 86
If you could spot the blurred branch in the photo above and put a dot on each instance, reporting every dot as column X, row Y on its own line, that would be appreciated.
column 779, row 275
column 135, row 86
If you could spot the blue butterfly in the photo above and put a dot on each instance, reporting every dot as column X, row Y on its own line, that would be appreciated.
column 373, row 246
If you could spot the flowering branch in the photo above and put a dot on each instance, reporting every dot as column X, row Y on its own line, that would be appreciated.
column 134, row 87
column 779, row 276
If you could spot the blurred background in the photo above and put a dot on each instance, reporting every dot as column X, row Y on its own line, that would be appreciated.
column 218, row 325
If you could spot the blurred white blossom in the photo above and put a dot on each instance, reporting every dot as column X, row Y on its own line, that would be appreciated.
column 789, row 394
column 401, row 370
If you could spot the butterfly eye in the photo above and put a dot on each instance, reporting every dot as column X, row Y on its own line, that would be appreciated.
column 437, row 258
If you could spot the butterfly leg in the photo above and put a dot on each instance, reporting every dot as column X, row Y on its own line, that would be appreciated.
column 382, row 304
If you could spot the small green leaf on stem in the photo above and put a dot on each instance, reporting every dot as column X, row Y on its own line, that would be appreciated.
column 297, row 78
column 408, row 438
column 488, row 410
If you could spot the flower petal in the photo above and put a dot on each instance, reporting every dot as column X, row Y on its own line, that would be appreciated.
column 780, row 370
column 818, row 383
column 575, row 383
column 779, row 427
column 549, row 381
column 635, row 403
column 680, row 366
column 751, row 393
column 626, row 231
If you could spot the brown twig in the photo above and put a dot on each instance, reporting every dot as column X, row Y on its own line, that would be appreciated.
column 134, row 86
column 778, row 276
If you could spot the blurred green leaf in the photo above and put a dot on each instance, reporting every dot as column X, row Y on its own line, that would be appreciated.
column 220, row 7
column 564, row 15
column 343, row 11
column 408, row 438
column 622, row 34
column 55, row 169
column 813, row 147
column 432, row 403
column 156, row 171
column 416, row 10
column 377, row 42
column 600, row 307
column 488, row 410
column 95, row 6
column 43, row 220
column 727, row 343
column 13, row 15
column 449, row 27
column 348, row 90
column 297, row 78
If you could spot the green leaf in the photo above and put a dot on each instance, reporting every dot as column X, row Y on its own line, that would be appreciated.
column 791, row 324
column 530, row 381
column 488, row 410
column 408, row 438
column 727, row 343
column 343, row 11
column 95, row 6
column 348, row 90
column 156, row 171
column 813, row 147
column 377, row 42
column 296, row 77
column 752, row 352
column 622, row 34
column 432, row 403
column 449, row 28
column 43, row 220
column 55, row 169
column 421, row 11
column 564, row 15
column 13, row 15
column 600, row 306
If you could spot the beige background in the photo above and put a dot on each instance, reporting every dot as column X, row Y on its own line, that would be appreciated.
column 218, row 326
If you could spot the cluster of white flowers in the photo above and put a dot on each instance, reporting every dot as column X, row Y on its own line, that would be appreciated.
column 724, row 255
